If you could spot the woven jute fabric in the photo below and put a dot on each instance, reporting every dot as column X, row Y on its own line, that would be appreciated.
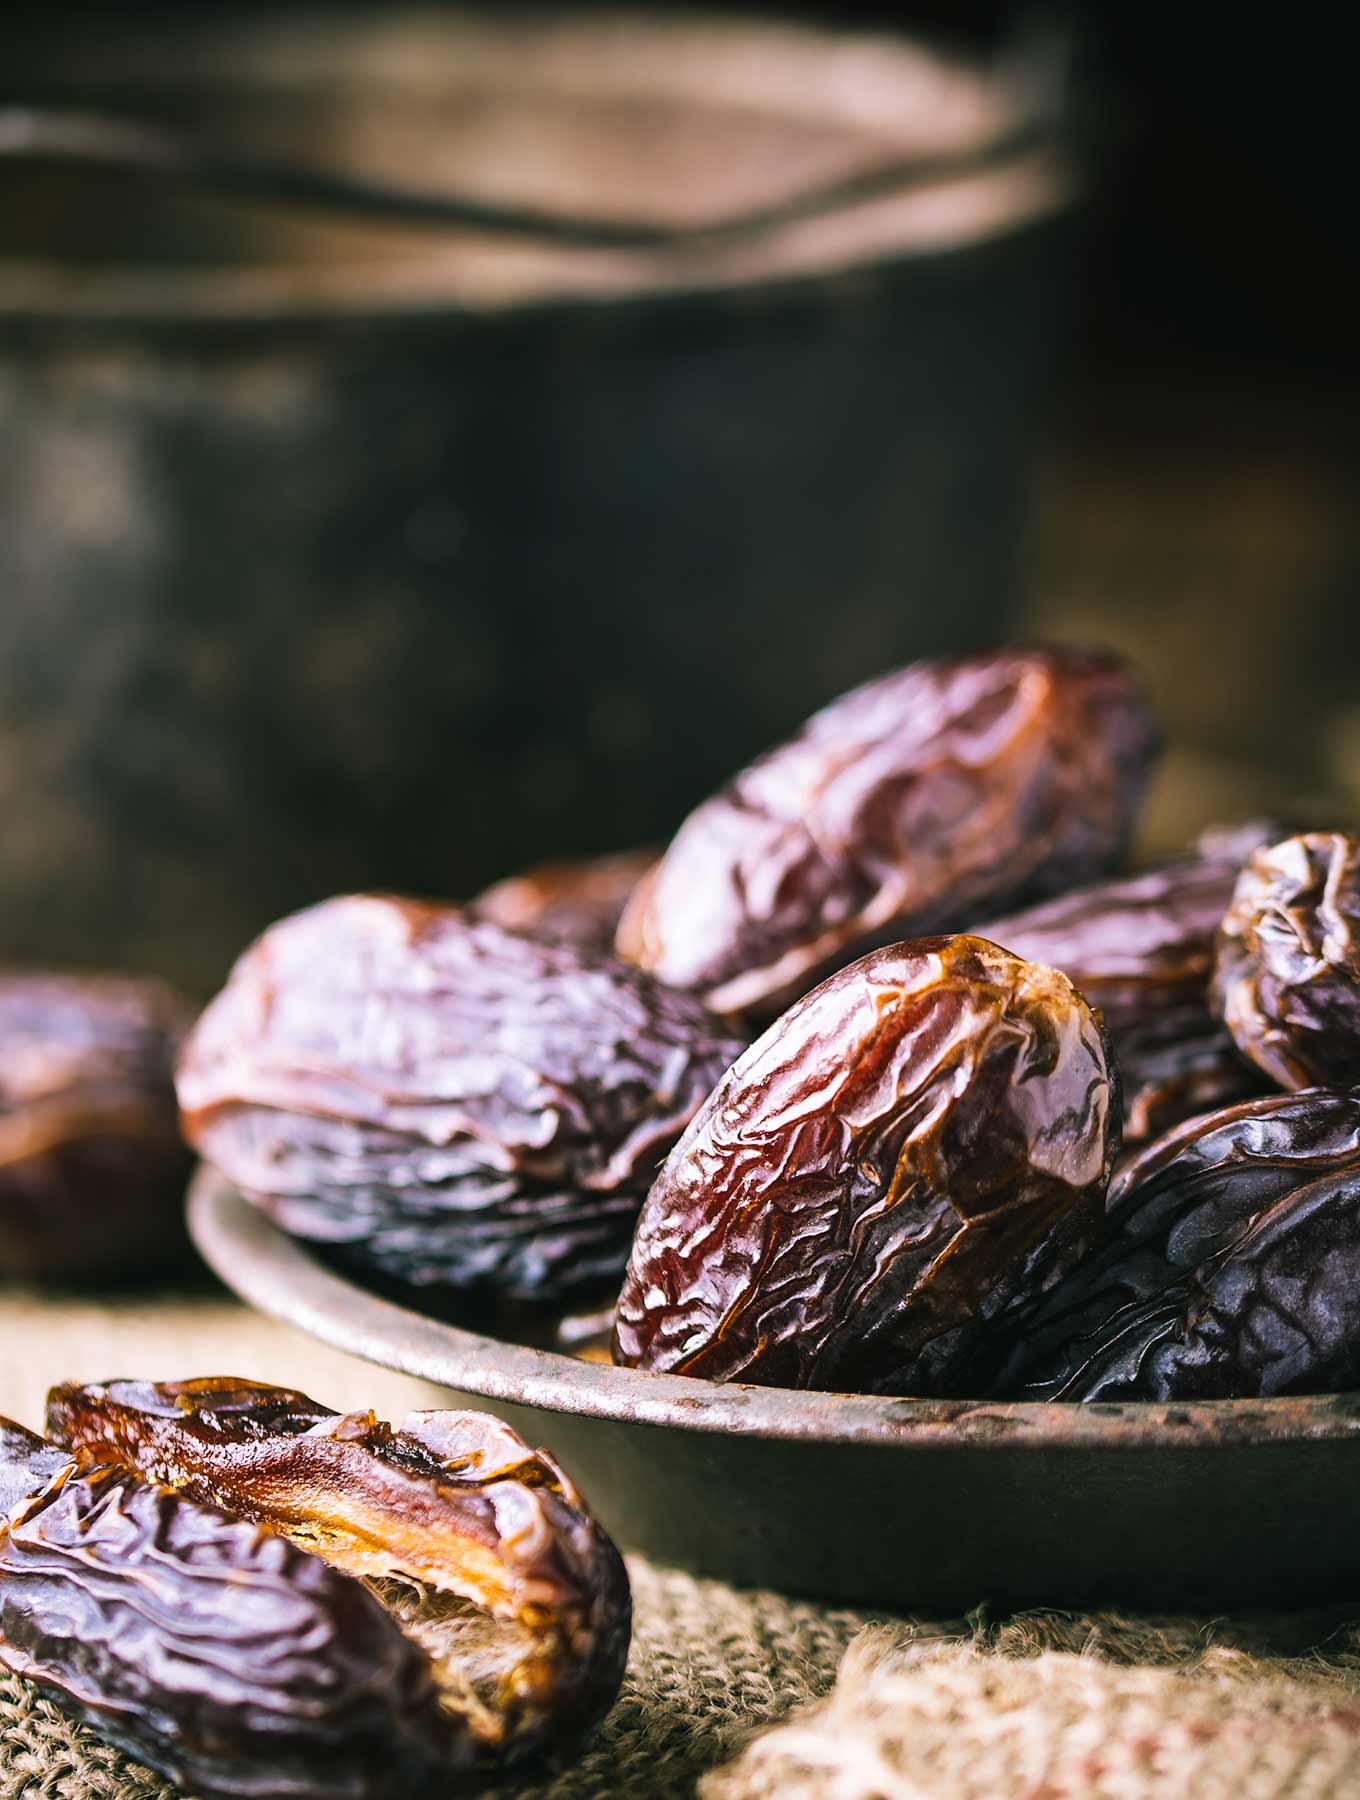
column 735, row 1695
column 978, row 1720
column 707, row 1666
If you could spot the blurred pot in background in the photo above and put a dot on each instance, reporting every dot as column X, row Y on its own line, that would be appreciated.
column 337, row 551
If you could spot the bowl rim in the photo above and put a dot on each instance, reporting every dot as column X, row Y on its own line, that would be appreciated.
column 281, row 1277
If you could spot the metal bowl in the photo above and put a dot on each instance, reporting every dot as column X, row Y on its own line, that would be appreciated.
column 896, row 1503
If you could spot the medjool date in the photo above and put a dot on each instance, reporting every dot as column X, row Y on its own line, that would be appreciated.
column 451, row 1504
column 1231, row 1266
column 27, row 1463
column 1141, row 948
column 227, row 1658
column 1165, row 1084
column 259, row 1597
column 880, row 1169
column 451, row 1104
column 1287, row 980
column 921, row 801
column 567, row 902
column 92, row 1167
column 1235, row 842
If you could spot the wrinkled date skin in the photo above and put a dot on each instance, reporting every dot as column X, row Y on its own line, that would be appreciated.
column 1166, row 1084
column 880, row 1169
column 454, row 1502
column 1231, row 1266
column 26, row 1464
column 226, row 1658
column 567, row 902
column 451, row 1104
column 92, row 1167
column 259, row 1597
column 918, row 802
column 1234, row 842
column 1141, row 948
column 1287, row 979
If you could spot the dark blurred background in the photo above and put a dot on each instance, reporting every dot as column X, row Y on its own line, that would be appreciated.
column 639, row 540
column 1195, row 502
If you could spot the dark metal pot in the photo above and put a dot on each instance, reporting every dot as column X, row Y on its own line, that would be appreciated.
column 340, row 550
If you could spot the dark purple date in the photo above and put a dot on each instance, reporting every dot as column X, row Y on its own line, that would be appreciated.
column 920, row 801
column 876, row 1174
column 230, row 1660
column 1231, row 1267
column 92, row 1167
column 1287, row 980
column 258, row 1596
column 1141, row 948
column 567, row 902
column 447, row 1103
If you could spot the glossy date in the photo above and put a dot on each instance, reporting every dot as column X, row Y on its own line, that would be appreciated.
column 452, row 1502
column 446, row 1102
column 920, row 801
column 92, row 1167
column 1231, row 1267
column 1287, row 979
column 227, row 1659
column 1165, row 1084
column 567, row 902
column 1141, row 948
column 257, row 1596
column 876, row 1175
column 27, row 1463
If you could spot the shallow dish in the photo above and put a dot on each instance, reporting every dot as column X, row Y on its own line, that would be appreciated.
column 919, row 1504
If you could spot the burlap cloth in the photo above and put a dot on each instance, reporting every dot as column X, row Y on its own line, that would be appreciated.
column 1041, row 1707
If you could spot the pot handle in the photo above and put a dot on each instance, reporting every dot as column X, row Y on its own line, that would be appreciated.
column 124, row 145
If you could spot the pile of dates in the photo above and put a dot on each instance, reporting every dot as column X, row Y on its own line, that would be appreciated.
column 884, row 1076
column 256, row 1596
